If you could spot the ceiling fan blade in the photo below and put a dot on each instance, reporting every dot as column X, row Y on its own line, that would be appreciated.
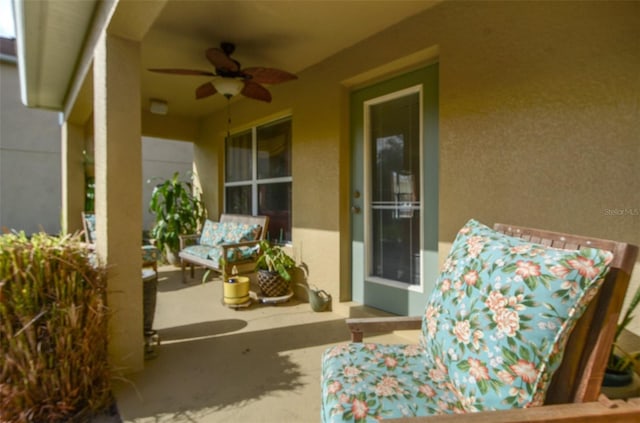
column 220, row 60
column 268, row 75
column 184, row 72
column 205, row 90
column 256, row 91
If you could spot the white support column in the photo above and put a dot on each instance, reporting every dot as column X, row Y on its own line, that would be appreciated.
column 73, row 177
column 118, row 203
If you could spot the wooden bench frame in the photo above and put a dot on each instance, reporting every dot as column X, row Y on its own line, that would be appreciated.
column 244, row 266
column 579, row 377
column 601, row 411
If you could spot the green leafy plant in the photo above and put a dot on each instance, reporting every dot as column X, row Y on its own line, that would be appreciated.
column 274, row 259
column 620, row 360
column 53, row 330
column 178, row 211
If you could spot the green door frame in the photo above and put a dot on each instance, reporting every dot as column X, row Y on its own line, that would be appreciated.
column 401, row 301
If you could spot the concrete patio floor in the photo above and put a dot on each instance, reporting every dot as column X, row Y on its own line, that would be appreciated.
column 216, row 364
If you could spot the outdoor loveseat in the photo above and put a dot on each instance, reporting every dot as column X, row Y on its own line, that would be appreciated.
column 231, row 242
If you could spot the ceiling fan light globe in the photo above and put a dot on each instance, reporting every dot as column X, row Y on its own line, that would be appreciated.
column 228, row 87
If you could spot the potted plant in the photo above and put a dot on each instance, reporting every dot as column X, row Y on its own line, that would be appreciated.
column 621, row 364
column 273, row 268
column 178, row 211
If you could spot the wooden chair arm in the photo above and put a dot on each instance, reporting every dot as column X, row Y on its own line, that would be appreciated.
column 239, row 244
column 357, row 326
column 591, row 412
column 188, row 238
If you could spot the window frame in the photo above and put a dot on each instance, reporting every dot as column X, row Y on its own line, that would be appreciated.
column 254, row 182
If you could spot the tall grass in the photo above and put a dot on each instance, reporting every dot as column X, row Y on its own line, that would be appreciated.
column 53, row 331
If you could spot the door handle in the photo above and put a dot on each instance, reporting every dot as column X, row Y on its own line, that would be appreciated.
column 355, row 209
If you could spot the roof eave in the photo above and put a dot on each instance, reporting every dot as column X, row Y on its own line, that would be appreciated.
column 50, row 37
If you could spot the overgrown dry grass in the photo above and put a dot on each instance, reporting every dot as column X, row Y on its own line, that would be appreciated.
column 53, row 331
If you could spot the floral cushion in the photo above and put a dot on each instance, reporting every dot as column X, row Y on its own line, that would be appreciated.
column 367, row 382
column 211, row 234
column 90, row 222
column 201, row 251
column 216, row 233
column 494, row 331
column 246, row 253
column 502, row 310
column 214, row 254
column 233, row 254
column 150, row 254
column 239, row 232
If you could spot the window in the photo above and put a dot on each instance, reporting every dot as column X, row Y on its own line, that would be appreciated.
column 258, row 176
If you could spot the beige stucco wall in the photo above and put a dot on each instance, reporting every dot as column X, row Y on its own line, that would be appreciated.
column 540, row 111
column 30, row 180
column 539, row 124
column 118, row 203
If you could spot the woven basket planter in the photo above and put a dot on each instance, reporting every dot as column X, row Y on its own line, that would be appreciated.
column 271, row 284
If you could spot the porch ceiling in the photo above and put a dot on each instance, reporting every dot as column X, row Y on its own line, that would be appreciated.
column 291, row 35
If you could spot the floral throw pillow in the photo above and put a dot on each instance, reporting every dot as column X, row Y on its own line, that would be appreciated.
column 501, row 313
column 211, row 234
column 239, row 232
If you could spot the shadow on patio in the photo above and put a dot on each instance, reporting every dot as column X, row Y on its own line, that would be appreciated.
column 215, row 364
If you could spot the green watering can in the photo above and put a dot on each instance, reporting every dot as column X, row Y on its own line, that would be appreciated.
column 318, row 298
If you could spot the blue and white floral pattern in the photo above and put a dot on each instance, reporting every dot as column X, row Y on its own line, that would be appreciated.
column 90, row 222
column 216, row 233
column 234, row 255
column 211, row 234
column 150, row 254
column 493, row 333
column 238, row 232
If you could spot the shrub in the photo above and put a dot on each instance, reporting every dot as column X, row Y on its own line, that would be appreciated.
column 53, row 333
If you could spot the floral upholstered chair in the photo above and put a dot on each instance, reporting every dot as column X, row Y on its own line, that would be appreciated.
column 150, row 254
column 503, row 314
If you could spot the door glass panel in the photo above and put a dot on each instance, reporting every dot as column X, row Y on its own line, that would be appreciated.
column 395, row 189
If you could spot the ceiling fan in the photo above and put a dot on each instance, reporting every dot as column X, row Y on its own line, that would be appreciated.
column 230, row 79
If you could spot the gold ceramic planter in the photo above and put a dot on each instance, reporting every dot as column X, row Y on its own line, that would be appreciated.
column 236, row 290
